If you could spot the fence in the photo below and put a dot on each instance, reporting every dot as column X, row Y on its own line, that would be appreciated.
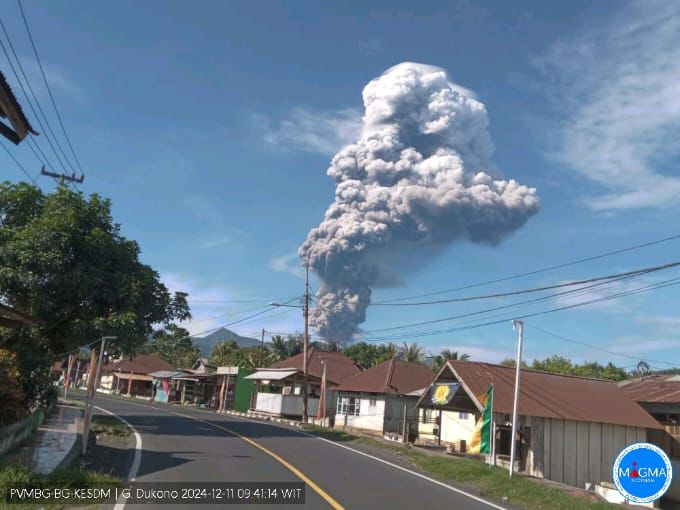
column 668, row 439
column 14, row 434
column 285, row 405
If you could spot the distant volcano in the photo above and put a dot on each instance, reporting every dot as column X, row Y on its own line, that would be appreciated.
column 207, row 343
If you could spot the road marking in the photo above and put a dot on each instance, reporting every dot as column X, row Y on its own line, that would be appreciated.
column 312, row 484
column 332, row 502
column 329, row 499
column 414, row 473
column 132, row 474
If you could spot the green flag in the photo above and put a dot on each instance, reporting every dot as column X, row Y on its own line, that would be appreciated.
column 481, row 439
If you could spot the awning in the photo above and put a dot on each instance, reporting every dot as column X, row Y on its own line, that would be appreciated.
column 272, row 374
column 134, row 377
column 166, row 374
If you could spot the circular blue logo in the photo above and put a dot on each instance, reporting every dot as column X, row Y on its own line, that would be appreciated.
column 642, row 472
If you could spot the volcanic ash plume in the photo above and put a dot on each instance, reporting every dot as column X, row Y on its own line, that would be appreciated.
column 418, row 178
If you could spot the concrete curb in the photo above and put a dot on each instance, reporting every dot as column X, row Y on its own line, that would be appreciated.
column 73, row 453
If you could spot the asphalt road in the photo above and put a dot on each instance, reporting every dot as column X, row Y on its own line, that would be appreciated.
column 206, row 447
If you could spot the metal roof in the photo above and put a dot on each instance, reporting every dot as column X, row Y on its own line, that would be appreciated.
column 141, row 364
column 166, row 374
column 549, row 395
column 654, row 388
column 393, row 376
column 339, row 367
column 266, row 374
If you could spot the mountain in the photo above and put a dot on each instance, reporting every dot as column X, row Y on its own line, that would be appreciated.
column 206, row 343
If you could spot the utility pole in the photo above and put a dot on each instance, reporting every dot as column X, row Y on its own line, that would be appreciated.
column 63, row 177
column 520, row 325
column 92, row 390
column 261, row 347
column 305, row 346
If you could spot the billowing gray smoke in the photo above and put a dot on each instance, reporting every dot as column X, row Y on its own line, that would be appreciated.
column 418, row 178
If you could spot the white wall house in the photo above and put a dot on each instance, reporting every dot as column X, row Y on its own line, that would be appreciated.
column 570, row 429
column 377, row 400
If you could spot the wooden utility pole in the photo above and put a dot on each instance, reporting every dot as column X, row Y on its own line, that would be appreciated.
column 305, row 346
column 91, row 390
column 261, row 347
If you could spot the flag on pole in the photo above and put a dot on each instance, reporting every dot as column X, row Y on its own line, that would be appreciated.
column 481, row 439
column 69, row 369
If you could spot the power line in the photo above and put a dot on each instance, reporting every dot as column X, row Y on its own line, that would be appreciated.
column 28, row 100
column 19, row 164
column 543, row 270
column 537, row 289
column 666, row 283
column 503, row 307
column 614, row 353
column 238, row 321
column 49, row 90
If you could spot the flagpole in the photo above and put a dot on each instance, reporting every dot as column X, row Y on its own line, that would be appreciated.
column 492, row 459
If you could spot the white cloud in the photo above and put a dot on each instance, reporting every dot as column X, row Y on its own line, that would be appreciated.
column 583, row 295
column 642, row 346
column 618, row 88
column 661, row 321
column 322, row 132
column 288, row 263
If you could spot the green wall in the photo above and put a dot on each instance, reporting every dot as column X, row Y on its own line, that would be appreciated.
column 244, row 389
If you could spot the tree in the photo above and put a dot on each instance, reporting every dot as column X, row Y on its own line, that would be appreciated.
column 225, row 354
column 65, row 262
column 447, row 355
column 412, row 352
column 560, row 365
column 279, row 351
column 174, row 345
column 511, row 362
column 363, row 354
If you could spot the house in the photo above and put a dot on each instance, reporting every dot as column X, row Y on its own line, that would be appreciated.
column 10, row 109
column 132, row 377
column 570, row 428
column 202, row 366
column 659, row 395
column 164, row 387
column 279, row 387
column 382, row 399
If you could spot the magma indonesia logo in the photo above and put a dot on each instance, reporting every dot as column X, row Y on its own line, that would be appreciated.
column 642, row 472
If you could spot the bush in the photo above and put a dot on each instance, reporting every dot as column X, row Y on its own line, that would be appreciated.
column 13, row 400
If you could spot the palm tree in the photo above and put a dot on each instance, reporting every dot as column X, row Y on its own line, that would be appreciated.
column 279, row 350
column 413, row 352
column 224, row 353
column 447, row 355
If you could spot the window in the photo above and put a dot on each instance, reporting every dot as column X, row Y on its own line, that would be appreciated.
column 371, row 402
column 349, row 405
column 462, row 415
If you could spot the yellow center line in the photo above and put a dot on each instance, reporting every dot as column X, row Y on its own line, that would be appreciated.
column 327, row 497
column 332, row 502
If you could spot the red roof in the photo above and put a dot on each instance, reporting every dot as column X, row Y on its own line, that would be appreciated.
column 339, row 367
column 141, row 364
column 551, row 395
column 394, row 376
column 654, row 388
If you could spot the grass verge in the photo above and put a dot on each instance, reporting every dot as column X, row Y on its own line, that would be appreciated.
column 109, row 426
column 490, row 482
column 61, row 478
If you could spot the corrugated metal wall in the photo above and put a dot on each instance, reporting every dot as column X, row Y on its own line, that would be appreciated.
column 575, row 452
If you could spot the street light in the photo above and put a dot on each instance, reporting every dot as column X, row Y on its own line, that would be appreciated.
column 305, row 343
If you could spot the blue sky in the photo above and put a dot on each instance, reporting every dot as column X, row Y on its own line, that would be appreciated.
column 211, row 126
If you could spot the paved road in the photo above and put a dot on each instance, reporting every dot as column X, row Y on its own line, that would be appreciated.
column 206, row 447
